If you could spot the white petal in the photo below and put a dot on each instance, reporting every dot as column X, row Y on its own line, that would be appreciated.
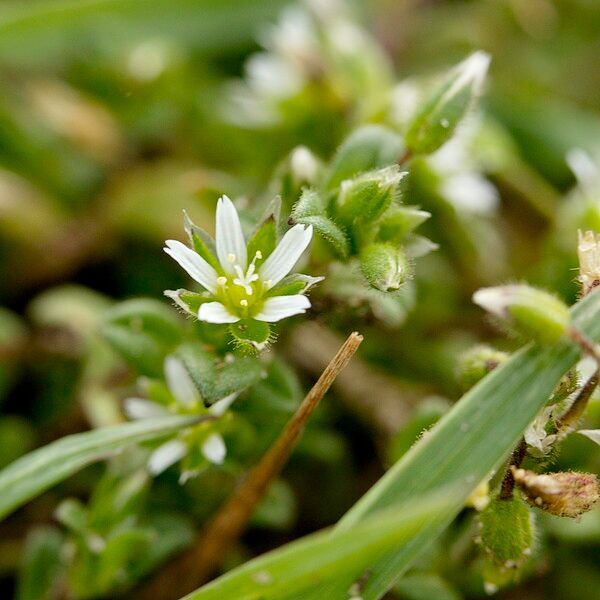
column 592, row 434
column 214, row 449
column 280, row 307
column 140, row 408
column 215, row 312
column 179, row 382
column 198, row 269
column 166, row 455
column 287, row 253
column 220, row 406
column 229, row 237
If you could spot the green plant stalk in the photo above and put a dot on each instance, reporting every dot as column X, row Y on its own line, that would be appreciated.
column 37, row 471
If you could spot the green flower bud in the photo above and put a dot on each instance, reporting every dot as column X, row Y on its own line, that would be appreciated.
column 435, row 123
column 384, row 266
column 565, row 494
column 365, row 198
column 400, row 220
column 506, row 536
column 532, row 312
column 477, row 362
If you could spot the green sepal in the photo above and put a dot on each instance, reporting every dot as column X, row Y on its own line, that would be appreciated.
column 188, row 301
column 294, row 284
column 311, row 203
column 400, row 220
column 370, row 147
column 251, row 331
column 202, row 242
column 264, row 239
column 334, row 234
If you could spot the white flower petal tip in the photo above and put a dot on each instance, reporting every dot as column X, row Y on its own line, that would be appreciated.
column 220, row 406
column 180, row 383
column 230, row 242
column 214, row 449
column 591, row 434
column 280, row 307
column 140, row 408
column 196, row 267
column 473, row 69
column 286, row 254
column 215, row 312
column 493, row 299
column 165, row 456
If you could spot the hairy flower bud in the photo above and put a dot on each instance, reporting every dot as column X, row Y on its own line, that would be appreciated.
column 529, row 311
column 506, row 535
column 477, row 362
column 384, row 266
column 565, row 494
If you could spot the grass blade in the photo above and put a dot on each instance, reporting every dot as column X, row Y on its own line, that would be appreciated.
column 37, row 471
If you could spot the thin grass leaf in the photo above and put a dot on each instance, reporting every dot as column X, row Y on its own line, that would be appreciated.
column 295, row 567
column 37, row 471
column 464, row 447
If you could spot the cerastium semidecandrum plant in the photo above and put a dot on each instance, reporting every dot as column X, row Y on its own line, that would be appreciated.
column 202, row 384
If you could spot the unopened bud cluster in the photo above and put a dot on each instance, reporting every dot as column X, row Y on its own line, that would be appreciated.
column 564, row 494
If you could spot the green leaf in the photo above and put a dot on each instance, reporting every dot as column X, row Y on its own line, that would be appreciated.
column 456, row 452
column 46, row 466
column 215, row 379
column 264, row 239
column 188, row 301
column 250, row 331
column 370, row 147
column 294, row 284
column 302, row 564
column 143, row 331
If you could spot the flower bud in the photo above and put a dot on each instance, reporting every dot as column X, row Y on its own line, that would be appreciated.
column 506, row 535
column 565, row 494
column 588, row 251
column 435, row 123
column 477, row 362
column 384, row 266
column 304, row 166
column 366, row 197
column 529, row 311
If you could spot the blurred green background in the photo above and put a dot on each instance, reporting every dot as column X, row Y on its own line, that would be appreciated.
column 117, row 114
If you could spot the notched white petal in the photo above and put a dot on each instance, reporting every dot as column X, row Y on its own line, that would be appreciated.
column 165, row 456
column 197, row 268
column 180, row 383
column 215, row 312
column 214, row 449
column 220, row 406
column 231, row 246
column 286, row 255
column 280, row 307
column 141, row 408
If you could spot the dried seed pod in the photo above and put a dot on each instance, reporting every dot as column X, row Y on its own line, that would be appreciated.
column 565, row 494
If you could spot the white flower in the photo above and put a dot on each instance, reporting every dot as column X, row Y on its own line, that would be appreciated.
column 186, row 398
column 242, row 287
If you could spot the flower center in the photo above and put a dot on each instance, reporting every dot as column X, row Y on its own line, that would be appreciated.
column 246, row 279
